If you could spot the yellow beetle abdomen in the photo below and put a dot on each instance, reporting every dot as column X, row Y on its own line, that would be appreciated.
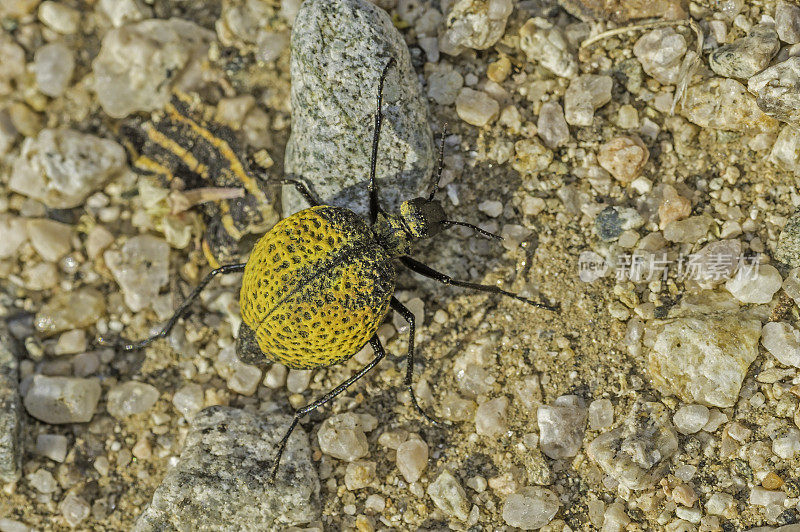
column 316, row 288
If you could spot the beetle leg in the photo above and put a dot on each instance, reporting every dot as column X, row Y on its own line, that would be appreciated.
column 374, row 207
column 409, row 317
column 423, row 269
column 230, row 268
column 301, row 188
column 379, row 354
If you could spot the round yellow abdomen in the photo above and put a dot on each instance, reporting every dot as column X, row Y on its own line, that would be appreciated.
column 316, row 288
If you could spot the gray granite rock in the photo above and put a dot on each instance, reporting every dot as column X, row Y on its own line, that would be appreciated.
column 788, row 250
column 747, row 56
column 222, row 479
column 10, row 408
column 339, row 49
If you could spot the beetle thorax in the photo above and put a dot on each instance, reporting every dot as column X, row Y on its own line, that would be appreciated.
column 392, row 235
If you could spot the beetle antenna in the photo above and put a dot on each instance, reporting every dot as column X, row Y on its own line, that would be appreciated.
column 449, row 223
column 440, row 165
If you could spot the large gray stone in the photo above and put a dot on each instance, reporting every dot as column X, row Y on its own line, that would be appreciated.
column 222, row 479
column 10, row 408
column 339, row 49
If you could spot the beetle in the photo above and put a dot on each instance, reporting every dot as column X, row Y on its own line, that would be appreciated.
column 317, row 286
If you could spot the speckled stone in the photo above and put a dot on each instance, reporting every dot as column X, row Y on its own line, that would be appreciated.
column 10, row 408
column 788, row 250
column 339, row 49
column 221, row 480
column 746, row 56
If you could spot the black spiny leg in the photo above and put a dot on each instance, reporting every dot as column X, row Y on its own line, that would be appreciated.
column 230, row 268
column 374, row 207
column 423, row 269
column 409, row 317
column 379, row 354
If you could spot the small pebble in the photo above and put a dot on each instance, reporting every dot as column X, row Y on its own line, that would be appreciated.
column 782, row 341
column 62, row 399
column 691, row 418
column 585, row 94
column 297, row 380
column 757, row 286
column 551, row 126
column 531, row 508
column 624, row 157
column 787, row 22
column 275, row 377
column 718, row 503
column 342, row 436
column 141, row 267
column 53, row 446
column 448, row 495
column 131, row 398
column 412, row 459
column 74, row 509
column 660, row 52
column 53, row 65
column 376, row 503
column 492, row 208
column 476, row 107
column 59, row 17
column 490, row 417
column 42, row 481
column 189, row 400
column 49, row 238
column 359, row 475
column 561, row 426
column 601, row 414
